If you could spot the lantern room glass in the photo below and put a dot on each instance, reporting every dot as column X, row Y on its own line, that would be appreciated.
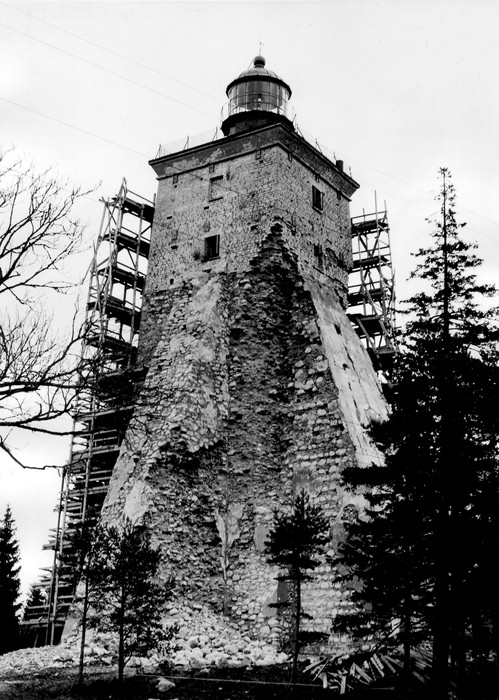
column 263, row 95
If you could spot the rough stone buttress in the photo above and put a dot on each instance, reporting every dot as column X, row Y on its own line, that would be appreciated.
column 256, row 386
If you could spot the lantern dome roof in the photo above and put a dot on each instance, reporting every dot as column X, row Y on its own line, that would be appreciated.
column 257, row 97
column 258, row 71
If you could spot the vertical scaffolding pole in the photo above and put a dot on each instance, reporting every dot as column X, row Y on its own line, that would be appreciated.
column 371, row 292
column 117, row 280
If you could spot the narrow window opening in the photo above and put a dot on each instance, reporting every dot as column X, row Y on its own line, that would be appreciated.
column 317, row 198
column 211, row 247
column 212, row 167
column 215, row 191
column 175, row 179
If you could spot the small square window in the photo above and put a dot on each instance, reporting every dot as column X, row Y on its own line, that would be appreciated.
column 215, row 191
column 317, row 198
column 211, row 247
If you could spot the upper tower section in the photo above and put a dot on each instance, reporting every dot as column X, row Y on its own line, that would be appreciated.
column 217, row 202
column 258, row 97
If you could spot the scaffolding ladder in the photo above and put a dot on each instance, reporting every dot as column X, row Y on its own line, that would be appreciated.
column 112, row 320
column 371, row 290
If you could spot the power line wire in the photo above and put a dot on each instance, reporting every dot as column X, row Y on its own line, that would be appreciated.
column 133, row 82
column 72, row 126
column 160, row 93
column 106, row 70
column 111, row 51
column 225, row 187
column 114, row 143
column 407, row 184
column 199, row 177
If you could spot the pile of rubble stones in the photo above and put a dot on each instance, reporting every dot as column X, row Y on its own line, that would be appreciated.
column 202, row 639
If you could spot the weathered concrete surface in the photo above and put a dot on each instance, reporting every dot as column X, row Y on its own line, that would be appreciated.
column 360, row 399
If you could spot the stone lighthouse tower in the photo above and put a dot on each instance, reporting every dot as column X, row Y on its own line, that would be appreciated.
column 256, row 386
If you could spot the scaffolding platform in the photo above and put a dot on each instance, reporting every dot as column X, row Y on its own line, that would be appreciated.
column 371, row 290
column 113, row 310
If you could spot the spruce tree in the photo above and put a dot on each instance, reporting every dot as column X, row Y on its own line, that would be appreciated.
column 295, row 539
column 9, row 584
column 35, row 608
column 457, row 337
column 37, row 597
column 124, row 591
column 425, row 543
column 90, row 559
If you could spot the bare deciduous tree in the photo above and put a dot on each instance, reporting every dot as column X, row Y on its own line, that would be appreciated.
column 40, row 372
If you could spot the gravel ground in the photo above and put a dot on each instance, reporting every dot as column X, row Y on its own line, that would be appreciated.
column 209, row 659
column 100, row 684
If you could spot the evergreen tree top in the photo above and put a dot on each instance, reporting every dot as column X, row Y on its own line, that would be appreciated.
column 453, row 300
column 297, row 536
column 9, row 547
column 10, row 584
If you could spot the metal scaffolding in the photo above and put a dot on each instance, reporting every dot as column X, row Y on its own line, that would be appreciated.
column 371, row 291
column 117, row 281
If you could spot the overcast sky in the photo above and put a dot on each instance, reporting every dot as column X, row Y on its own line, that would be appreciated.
column 396, row 88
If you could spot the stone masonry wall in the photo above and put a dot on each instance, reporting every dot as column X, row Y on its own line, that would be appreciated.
column 256, row 388
column 240, row 410
column 268, row 179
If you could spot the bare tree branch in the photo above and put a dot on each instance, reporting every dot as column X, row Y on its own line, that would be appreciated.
column 41, row 373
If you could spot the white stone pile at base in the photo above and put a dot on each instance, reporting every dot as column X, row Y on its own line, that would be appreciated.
column 203, row 639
